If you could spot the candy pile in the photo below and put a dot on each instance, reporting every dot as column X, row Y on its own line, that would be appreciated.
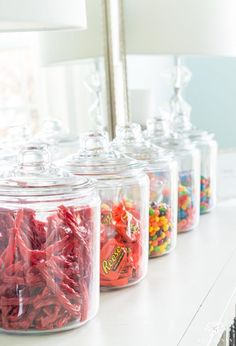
column 206, row 196
column 121, row 244
column 45, row 268
column 160, row 229
column 186, row 207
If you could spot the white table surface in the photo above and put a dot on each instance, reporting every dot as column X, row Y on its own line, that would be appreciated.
column 161, row 309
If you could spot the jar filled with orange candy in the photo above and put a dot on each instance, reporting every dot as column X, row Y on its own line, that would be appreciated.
column 124, row 191
column 162, row 171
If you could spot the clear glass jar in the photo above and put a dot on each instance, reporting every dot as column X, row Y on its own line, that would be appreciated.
column 61, row 142
column 124, row 191
column 49, row 246
column 208, row 147
column 162, row 171
column 188, row 158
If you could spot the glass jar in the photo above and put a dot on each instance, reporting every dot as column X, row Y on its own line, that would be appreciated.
column 208, row 147
column 188, row 159
column 49, row 246
column 162, row 171
column 61, row 143
column 124, row 191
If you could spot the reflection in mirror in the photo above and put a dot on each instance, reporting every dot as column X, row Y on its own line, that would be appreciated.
column 210, row 91
column 55, row 75
column 74, row 73
column 19, row 81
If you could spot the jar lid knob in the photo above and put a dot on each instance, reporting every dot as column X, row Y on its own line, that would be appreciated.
column 34, row 156
column 94, row 141
column 129, row 132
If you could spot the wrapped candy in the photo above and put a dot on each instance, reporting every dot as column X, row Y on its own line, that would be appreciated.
column 121, row 249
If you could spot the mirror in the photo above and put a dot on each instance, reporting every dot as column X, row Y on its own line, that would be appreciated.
column 55, row 75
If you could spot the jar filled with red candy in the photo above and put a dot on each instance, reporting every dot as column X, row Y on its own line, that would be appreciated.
column 162, row 171
column 124, row 190
column 49, row 246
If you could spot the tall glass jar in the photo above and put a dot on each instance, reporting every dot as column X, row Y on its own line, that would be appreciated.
column 49, row 246
column 208, row 147
column 188, row 159
column 162, row 171
column 124, row 190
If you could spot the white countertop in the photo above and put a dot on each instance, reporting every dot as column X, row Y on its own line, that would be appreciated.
column 163, row 307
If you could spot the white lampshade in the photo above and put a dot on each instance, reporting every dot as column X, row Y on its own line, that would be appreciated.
column 35, row 15
column 180, row 27
column 71, row 46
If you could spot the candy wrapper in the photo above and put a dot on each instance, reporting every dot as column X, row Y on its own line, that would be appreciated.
column 121, row 245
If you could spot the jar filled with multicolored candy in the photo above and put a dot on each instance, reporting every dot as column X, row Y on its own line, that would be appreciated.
column 49, row 246
column 208, row 147
column 188, row 158
column 124, row 191
column 162, row 171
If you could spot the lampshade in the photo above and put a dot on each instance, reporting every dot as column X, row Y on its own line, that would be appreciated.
column 180, row 27
column 35, row 15
column 70, row 46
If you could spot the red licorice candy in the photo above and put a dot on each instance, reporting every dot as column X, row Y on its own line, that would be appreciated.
column 121, row 247
column 45, row 268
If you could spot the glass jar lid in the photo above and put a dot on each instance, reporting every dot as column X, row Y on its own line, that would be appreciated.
column 130, row 141
column 97, row 157
column 35, row 175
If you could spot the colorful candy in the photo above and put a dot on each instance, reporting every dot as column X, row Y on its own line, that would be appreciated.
column 206, row 195
column 160, row 229
column 121, row 244
column 186, row 203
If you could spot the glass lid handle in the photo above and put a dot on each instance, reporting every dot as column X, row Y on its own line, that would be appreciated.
column 34, row 157
column 129, row 132
column 94, row 141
